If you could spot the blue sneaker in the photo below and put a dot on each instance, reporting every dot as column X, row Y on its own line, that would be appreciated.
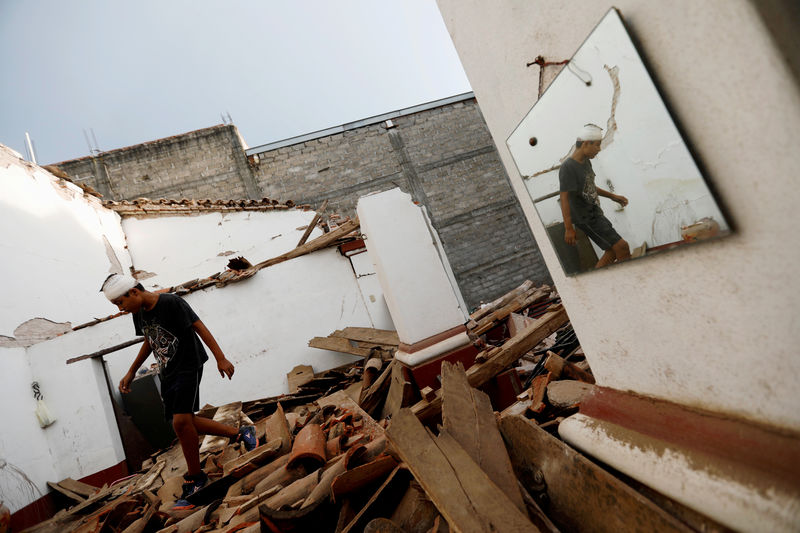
column 193, row 484
column 247, row 435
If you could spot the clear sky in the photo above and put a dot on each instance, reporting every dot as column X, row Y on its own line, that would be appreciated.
column 141, row 70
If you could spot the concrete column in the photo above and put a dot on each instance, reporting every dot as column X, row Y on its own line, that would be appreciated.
column 414, row 274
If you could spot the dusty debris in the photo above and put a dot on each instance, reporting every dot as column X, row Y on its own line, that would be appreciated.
column 348, row 450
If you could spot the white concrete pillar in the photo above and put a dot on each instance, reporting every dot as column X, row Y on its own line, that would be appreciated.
column 413, row 271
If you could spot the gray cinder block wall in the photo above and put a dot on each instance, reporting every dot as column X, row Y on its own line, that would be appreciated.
column 442, row 154
column 206, row 163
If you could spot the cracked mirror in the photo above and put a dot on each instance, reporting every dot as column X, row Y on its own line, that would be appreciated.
column 605, row 165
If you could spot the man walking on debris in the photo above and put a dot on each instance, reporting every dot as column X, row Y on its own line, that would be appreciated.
column 171, row 329
column 580, row 205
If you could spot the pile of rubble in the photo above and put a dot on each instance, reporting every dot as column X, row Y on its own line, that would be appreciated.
column 363, row 448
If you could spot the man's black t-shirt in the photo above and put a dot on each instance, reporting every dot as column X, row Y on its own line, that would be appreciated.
column 168, row 329
column 578, row 179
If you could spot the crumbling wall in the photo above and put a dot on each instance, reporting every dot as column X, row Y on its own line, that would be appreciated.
column 170, row 250
column 206, row 163
column 445, row 158
column 58, row 245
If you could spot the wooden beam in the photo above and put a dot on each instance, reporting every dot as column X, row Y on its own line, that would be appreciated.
column 468, row 416
column 313, row 223
column 66, row 492
column 400, row 393
column 105, row 351
column 461, row 491
column 493, row 306
column 338, row 344
column 78, row 487
column 558, row 366
column 374, row 336
column 320, row 242
column 520, row 302
column 582, row 496
column 300, row 375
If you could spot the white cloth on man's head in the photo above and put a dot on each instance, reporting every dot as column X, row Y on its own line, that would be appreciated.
column 117, row 285
column 590, row 132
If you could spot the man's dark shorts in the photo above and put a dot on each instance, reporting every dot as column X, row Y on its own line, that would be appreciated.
column 599, row 229
column 181, row 393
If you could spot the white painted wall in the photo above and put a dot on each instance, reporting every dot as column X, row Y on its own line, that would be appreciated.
column 84, row 438
column 181, row 248
column 421, row 298
column 54, row 247
column 643, row 156
column 22, row 442
column 371, row 291
column 715, row 325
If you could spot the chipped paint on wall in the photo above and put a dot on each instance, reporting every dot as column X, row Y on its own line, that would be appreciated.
column 35, row 330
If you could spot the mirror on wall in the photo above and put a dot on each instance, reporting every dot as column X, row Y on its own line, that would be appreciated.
column 605, row 165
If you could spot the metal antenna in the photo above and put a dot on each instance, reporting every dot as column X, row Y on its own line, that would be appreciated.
column 97, row 146
column 85, row 136
column 30, row 148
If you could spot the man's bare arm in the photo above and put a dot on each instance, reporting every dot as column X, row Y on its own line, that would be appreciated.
column 224, row 366
column 569, row 229
column 125, row 382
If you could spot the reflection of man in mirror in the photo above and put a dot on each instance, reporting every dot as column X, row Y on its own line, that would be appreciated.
column 580, row 204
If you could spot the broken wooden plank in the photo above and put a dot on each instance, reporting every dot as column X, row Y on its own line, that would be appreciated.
column 415, row 513
column 400, row 393
column 313, row 223
column 139, row 525
column 501, row 301
column 513, row 349
column 383, row 337
column 521, row 302
column 560, row 367
column 105, row 351
column 228, row 415
column 467, row 415
column 78, row 487
column 538, row 391
column 66, row 492
column 300, row 375
column 338, row 344
column 461, row 491
column 320, row 242
column 382, row 502
column 582, row 496
column 147, row 480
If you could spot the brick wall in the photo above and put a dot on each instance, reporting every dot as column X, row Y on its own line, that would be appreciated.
column 207, row 163
column 444, row 157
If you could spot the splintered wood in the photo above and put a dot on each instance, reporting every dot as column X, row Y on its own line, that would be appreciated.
column 358, row 341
